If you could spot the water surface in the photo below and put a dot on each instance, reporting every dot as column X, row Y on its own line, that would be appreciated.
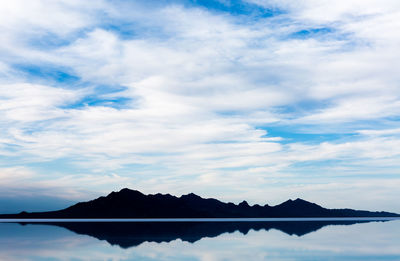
column 202, row 240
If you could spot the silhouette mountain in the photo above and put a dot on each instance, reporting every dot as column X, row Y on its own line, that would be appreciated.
column 133, row 204
column 131, row 234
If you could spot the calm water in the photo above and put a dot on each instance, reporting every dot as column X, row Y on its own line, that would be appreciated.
column 263, row 240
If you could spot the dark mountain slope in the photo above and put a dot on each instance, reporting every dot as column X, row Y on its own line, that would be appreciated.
column 133, row 204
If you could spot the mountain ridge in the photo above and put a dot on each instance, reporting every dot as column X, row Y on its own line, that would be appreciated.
column 128, row 203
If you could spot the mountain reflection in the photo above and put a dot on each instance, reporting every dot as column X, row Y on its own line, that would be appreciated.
column 131, row 234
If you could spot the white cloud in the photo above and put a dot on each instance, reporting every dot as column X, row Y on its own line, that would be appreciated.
column 202, row 90
column 14, row 175
column 355, row 108
column 380, row 132
column 62, row 17
column 320, row 11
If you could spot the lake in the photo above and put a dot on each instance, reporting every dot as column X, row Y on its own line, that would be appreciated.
column 280, row 239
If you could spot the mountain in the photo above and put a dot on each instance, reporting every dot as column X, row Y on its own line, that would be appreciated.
column 133, row 204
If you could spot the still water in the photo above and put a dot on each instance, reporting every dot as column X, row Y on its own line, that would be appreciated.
column 209, row 241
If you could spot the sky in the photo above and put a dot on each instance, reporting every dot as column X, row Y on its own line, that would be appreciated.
column 261, row 100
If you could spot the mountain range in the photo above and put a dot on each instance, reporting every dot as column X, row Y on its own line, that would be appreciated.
column 129, row 203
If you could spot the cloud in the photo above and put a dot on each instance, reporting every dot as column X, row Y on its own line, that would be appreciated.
column 14, row 174
column 176, row 95
column 352, row 109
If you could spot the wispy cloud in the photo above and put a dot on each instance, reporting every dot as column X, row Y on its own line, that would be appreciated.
column 173, row 95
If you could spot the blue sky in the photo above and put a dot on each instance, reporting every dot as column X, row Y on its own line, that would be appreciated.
column 256, row 100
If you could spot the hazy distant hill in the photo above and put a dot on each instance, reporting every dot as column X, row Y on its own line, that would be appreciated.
column 133, row 204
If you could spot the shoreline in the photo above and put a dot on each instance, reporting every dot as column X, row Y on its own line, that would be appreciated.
column 54, row 220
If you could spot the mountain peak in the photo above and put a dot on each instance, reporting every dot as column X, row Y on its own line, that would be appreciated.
column 298, row 200
column 125, row 192
column 244, row 204
column 191, row 196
